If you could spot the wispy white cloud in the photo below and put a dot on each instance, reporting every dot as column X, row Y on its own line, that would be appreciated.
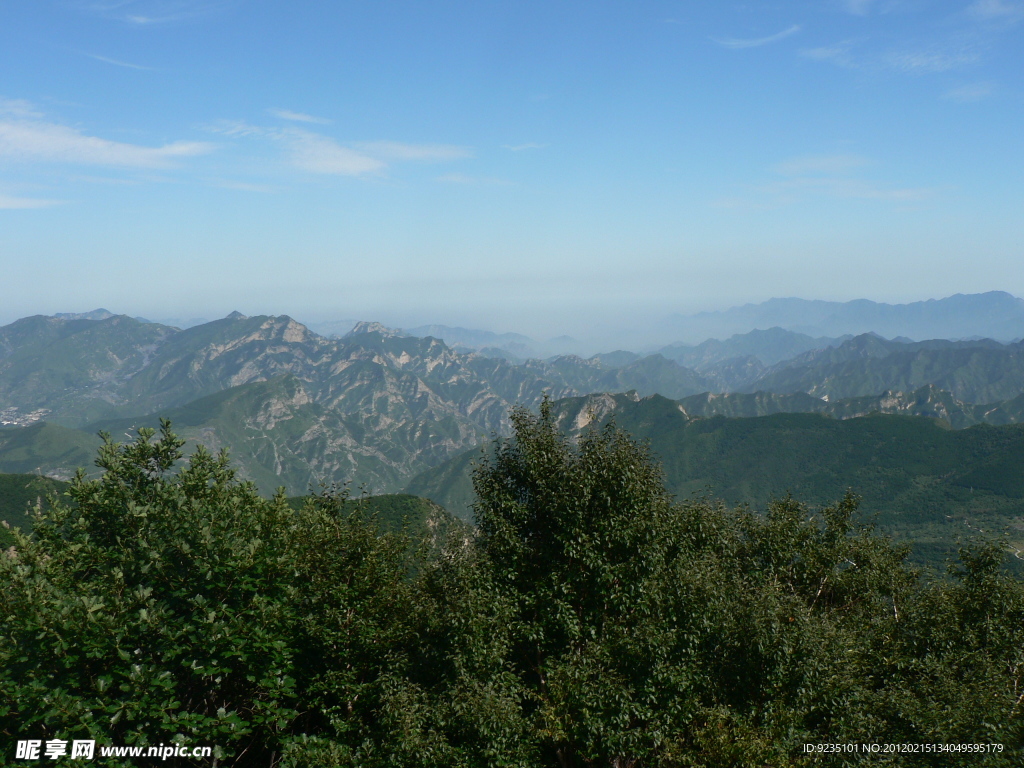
column 522, row 147
column 393, row 150
column 298, row 117
column 153, row 12
column 26, row 137
column 996, row 10
column 18, row 108
column 314, row 153
column 942, row 56
column 237, row 129
column 929, row 60
column 839, row 54
column 869, row 7
column 23, row 203
column 971, row 92
column 57, row 143
column 735, row 43
column 117, row 63
column 859, row 7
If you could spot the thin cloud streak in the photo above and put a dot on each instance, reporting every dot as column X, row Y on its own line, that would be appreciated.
column 314, row 153
column 932, row 60
column 737, row 43
column 154, row 12
column 116, row 63
column 393, row 150
column 25, row 203
column 298, row 117
column 928, row 61
column 35, row 140
column 859, row 7
column 237, row 129
column 19, row 108
column 838, row 54
column 970, row 93
column 996, row 10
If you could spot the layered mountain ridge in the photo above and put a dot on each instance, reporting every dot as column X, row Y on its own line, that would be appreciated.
column 995, row 314
column 378, row 405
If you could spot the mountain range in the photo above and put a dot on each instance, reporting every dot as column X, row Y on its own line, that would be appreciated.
column 920, row 480
column 996, row 314
column 379, row 406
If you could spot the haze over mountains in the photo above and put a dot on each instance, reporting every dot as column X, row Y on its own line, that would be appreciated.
column 996, row 315
column 380, row 407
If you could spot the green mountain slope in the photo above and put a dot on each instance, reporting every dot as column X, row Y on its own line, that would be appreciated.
column 277, row 435
column 378, row 407
column 75, row 370
column 653, row 374
column 450, row 484
column 17, row 494
column 422, row 520
column 975, row 371
column 928, row 401
column 294, row 408
column 926, row 482
column 48, row 449
column 769, row 346
column 82, row 370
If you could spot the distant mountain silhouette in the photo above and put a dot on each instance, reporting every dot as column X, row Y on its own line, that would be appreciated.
column 996, row 315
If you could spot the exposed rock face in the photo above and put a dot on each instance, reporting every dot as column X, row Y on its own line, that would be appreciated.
column 980, row 371
column 370, row 327
column 576, row 413
column 378, row 406
column 293, row 407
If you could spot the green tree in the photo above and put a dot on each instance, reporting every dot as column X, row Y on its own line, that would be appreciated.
column 582, row 539
column 151, row 606
column 648, row 633
column 357, row 616
column 400, row 651
column 590, row 621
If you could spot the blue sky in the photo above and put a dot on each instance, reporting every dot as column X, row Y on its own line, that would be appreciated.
column 545, row 167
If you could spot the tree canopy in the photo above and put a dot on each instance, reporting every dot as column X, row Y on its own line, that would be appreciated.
column 589, row 620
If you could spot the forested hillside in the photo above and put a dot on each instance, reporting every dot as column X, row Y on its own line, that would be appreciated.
column 377, row 407
column 928, row 485
column 18, row 494
column 590, row 621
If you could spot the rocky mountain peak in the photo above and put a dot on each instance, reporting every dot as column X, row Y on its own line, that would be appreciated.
column 96, row 314
column 370, row 327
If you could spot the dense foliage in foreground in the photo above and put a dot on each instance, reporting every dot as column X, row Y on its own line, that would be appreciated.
column 590, row 622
